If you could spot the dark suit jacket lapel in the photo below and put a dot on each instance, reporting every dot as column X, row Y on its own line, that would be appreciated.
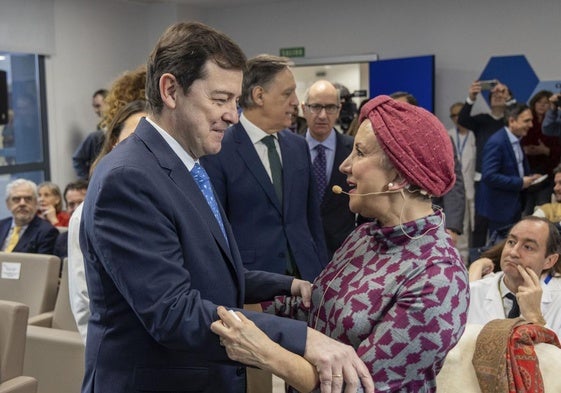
column 288, row 160
column 25, row 242
column 181, row 176
column 247, row 152
column 4, row 230
column 342, row 150
column 512, row 154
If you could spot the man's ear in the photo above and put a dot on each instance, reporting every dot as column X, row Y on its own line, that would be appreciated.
column 169, row 88
column 257, row 95
column 550, row 261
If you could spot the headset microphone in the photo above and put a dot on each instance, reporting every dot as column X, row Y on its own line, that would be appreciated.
column 339, row 190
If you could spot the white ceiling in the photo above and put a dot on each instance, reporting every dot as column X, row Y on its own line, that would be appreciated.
column 209, row 3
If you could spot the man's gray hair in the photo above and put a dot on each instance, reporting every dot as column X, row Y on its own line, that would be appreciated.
column 18, row 183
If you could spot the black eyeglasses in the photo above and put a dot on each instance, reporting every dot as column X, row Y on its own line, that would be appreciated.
column 330, row 109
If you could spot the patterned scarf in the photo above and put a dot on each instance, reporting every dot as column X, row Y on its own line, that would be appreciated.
column 504, row 358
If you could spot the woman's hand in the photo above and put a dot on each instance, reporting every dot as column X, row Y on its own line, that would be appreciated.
column 480, row 268
column 48, row 213
column 244, row 342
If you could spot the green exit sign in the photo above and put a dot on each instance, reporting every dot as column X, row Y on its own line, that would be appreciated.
column 293, row 52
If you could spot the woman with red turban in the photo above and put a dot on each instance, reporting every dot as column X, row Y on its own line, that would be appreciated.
column 397, row 289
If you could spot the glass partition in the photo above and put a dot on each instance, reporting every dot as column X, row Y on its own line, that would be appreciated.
column 23, row 120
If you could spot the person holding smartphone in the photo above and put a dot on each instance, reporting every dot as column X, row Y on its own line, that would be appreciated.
column 552, row 121
column 483, row 126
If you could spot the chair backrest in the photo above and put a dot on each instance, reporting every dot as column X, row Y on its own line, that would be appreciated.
column 13, row 328
column 31, row 279
column 457, row 373
column 62, row 316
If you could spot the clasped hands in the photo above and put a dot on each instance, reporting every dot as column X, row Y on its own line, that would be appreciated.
column 337, row 365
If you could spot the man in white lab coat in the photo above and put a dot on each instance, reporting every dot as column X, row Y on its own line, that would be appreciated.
column 529, row 284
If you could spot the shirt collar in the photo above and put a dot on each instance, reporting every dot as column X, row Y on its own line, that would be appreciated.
column 23, row 227
column 503, row 289
column 255, row 133
column 185, row 158
column 511, row 137
column 330, row 142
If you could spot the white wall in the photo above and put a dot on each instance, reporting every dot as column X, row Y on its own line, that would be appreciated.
column 87, row 43
column 90, row 42
column 462, row 34
column 27, row 26
column 95, row 41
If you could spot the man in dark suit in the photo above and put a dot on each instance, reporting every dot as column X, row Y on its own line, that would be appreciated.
column 158, row 250
column 86, row 153
column 276, row 220
column 321, row 108
column 505, row 172
column 25, row 231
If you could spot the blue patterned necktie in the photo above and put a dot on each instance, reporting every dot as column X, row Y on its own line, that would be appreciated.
column 319, row 170
column 203, row 181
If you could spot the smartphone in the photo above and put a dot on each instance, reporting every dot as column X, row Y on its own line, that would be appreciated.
column 488, row 84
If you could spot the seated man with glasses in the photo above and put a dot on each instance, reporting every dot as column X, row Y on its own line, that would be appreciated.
column 25, row 231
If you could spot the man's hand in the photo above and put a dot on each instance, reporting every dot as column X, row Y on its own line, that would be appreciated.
column 529, row 296
column 336, row 363
column 303, row 289
column 554, row 100
column 474, row 89
column 527, row 180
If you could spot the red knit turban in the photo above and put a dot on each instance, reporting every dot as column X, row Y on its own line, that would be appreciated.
column 415, row 141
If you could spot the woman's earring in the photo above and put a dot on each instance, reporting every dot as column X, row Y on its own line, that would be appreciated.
column 390, row 185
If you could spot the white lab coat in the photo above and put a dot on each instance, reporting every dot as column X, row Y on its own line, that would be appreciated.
column 486, row 303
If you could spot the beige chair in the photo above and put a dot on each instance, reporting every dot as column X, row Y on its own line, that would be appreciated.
column 54, row 352
column 31, row 279
column 13, row 323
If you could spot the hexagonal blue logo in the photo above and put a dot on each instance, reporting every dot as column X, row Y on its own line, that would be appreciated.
column 515, row 72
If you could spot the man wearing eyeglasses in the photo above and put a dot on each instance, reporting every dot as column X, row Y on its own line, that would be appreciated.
column 263, row 177
column 328, row 149
column 25, row 231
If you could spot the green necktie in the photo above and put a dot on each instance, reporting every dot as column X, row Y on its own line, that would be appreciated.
column 275, row 164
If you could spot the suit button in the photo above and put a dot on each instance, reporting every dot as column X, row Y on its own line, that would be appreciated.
column 281, row 255
column 240, row 371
